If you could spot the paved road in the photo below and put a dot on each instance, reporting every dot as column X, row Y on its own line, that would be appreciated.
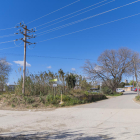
column 115, row 118
column 121, row 102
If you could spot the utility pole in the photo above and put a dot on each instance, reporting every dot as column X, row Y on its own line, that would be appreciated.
column 136, row 76
column 133, row 82
column 100, row 86
column 24, row 27
column 24, row 67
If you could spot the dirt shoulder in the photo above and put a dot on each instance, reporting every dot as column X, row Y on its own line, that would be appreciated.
column 138, row 102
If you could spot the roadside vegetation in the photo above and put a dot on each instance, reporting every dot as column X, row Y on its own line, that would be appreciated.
column 109, row 92
column 40, row 93
column 112, row 65
column 41, row 101
column 137, row 98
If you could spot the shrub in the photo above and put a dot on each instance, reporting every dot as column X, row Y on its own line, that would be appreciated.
column 35, row 105
column 49, row 98
column 66, row 98
column 30, row 100
column 13, row 105
column 106, row 90
column 14, row 100
column 137, row 98
column 53, row 99
column 86, row 93
column 42, row 100
column 121, row 93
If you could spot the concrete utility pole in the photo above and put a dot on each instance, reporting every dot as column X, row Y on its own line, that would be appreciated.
column 29, row 43
column 24, row 67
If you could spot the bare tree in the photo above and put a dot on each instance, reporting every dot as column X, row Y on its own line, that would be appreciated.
column 5, row 69
column 112, row 65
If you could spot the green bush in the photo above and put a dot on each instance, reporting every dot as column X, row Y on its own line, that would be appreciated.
column 42, row 100
column 35, row 105
column 72, row 101
column 86, row 93
column 13, row 105
column 51, row 99
column 137, row 98
column 94, row 92
column 106, row 91
column 116, row 94
column 14, row 99
column 121, row 93
column 30, row 100
column 68, row 100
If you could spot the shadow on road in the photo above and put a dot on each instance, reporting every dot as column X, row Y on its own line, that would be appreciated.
column 56, row 135
column 131, row 93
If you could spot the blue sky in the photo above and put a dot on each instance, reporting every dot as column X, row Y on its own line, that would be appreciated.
column 88, row 44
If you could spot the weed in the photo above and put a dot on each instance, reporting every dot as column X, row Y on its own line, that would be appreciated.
column 30, row 100
column 86, row 93
column 42, row 100
column 13, row 105
column 27, row 107
column 137, row 98
column 35, row 105
column 66, row 98
column 14, row 100
column 116, row 94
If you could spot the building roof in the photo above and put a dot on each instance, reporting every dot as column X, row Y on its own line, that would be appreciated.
column 129, row 86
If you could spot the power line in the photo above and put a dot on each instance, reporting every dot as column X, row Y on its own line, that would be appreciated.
column 7, row 28
column 54, row 11
column 47, row 56
column 11, row 27
column 10, row 48
column 91, row 27
column 7, row 41
column 69, row 24
column 7, row 35
column 68, row 15
column 87, row 17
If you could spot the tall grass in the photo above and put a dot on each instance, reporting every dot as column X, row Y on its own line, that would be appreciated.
column 39, row 85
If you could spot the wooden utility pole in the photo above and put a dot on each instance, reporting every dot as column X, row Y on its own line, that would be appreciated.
column 24, row 27
column 24, row 67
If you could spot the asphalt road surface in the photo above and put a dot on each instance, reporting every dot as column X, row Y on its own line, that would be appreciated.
column 114, row 118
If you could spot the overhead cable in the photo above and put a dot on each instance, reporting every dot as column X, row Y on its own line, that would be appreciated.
column 53, row 11
column 7, row 35
column 90, row 27
column 69, row 15
column 69, row 24
column 7, row 41
column 7, row 28
column 46, row 56
column 10, row 47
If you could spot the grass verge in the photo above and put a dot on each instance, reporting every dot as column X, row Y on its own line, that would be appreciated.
column 44, row 101
column 137, row 98
column 116, row 94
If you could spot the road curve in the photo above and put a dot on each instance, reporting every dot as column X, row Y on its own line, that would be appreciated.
column 121, row 102
column 117, row 118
